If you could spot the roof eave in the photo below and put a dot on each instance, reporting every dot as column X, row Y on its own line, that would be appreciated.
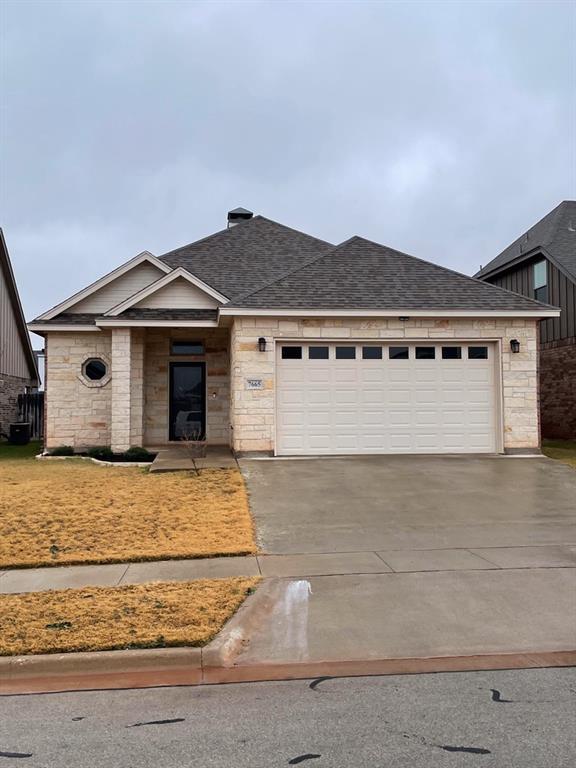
column 400, row 312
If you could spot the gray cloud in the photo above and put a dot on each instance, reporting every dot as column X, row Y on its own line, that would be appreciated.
column 443, row 129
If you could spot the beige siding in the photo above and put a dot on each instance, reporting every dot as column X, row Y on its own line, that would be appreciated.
column 12, row 357
column 179, row 294
column 119, row 290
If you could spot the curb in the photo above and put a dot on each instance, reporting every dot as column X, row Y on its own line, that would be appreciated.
column 184, row 667
column 217, row 662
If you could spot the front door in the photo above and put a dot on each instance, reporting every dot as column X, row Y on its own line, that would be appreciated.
column 187, row 401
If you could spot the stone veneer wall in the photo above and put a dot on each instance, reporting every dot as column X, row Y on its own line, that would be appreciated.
column 558, row 389
column 156, row 381
column 77, row 414
column 10, row 388
column 252, row 411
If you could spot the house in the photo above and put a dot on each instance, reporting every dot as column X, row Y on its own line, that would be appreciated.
column 541, row 264
column 272, row 341
column 18, row 372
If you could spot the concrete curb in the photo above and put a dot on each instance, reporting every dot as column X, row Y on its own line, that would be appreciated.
column 183, row 666
column 216, row 663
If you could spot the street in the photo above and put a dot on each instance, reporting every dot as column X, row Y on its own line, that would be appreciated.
column 505, row 719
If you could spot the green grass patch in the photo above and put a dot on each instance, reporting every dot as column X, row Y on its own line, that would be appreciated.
column 19, row 452
column 561, row 450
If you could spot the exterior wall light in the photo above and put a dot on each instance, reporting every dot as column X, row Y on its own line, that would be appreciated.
column 262, row 344
column 515, row 345
column 403, row 318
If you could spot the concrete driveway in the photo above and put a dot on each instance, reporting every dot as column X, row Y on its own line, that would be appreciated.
column 414, row 557
column 374, row 504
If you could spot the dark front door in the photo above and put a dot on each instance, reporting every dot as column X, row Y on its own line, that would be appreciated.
column 187, row 401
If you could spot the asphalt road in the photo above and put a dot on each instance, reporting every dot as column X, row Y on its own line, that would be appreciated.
column 514, row 719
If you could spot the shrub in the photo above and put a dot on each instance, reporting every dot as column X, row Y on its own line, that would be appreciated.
column 101, row 452
column 62, row 450
column 136, row 453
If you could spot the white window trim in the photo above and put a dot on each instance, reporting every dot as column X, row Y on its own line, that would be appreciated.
column 93, row 287
column 175, row 274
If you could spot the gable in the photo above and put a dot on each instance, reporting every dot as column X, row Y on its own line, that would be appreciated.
column 13, row 360
column 120, row 289
column 179, row 294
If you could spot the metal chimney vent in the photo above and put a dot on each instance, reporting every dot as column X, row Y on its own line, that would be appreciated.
column 237, row 216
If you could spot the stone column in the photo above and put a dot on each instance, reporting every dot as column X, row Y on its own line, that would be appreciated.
column 120, row 412
column 137, row 387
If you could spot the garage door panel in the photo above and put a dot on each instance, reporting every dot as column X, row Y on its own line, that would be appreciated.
column 386, row 405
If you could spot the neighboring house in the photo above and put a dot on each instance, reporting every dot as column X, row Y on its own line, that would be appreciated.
column 18, row 372
column 541, row 264
column 272, row 341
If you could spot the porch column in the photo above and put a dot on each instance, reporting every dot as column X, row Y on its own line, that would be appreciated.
column 127, row 388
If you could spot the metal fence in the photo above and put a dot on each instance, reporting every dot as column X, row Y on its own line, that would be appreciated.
column 31, row 408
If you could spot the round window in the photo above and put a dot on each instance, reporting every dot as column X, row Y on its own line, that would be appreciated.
column 95, row 369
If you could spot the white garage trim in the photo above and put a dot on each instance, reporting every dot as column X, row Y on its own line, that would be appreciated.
column 461, row 411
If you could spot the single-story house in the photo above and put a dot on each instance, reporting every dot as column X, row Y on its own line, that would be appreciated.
column 18, row 370
column 272, row 341
column 541, row 264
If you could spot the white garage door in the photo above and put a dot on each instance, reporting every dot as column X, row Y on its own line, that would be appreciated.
column 344, row 398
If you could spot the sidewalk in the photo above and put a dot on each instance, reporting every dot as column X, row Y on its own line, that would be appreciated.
column 430, row 561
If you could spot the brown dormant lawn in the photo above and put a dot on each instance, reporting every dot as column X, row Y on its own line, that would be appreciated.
column 72, row 511
column 155, row 615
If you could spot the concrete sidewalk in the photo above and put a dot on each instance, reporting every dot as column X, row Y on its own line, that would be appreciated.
column 291, row 566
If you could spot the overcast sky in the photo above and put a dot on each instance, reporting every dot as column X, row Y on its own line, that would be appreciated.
column 442, row 129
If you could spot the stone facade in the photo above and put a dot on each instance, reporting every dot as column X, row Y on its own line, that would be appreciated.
column 253, row 411
column 156, row 381
column 131, row 406
column 78, row 413
column 558, row 389
column 10, row 388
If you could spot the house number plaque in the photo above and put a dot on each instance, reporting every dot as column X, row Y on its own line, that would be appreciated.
column 254, row 384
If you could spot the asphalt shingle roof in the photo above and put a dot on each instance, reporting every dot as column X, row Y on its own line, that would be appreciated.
column 248, row 256
column 361, row 274
column 144, row 313
column 555, row 234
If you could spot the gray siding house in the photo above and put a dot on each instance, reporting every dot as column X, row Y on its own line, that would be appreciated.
column 541, row 264
column 18, row 372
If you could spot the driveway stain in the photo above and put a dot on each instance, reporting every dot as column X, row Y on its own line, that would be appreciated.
column 15, row 755
column 497, row 696
column 158, row 722
column 301, row 758
column 315, row 683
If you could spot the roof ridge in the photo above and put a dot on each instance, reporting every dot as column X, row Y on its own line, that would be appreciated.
column 474, row 280
column 258, row 217
column 358, row 238
column 297, row 269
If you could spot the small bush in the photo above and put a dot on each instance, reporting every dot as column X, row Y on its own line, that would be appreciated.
column 62, row 450
column 136, row 453
column 101, row 452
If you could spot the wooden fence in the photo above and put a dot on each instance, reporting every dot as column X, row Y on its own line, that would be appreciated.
column 31, row 408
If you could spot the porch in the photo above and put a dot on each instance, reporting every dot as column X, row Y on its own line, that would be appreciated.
column 169, row 384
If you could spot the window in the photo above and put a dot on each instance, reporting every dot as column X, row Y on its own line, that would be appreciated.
column 477, row 353
column 291, row 353
column 372, row 353
column 345, row 353
column 451, row 353
column 318, row 353
column 398, row 353
column 187, row 348
column 540, row 281
column 425, row 353
column 94, row 369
